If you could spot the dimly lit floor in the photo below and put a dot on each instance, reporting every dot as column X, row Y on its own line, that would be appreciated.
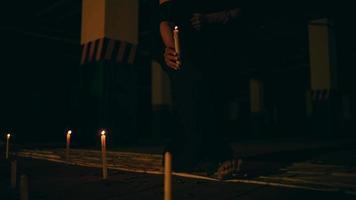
column 321, row 169
column 57, row 181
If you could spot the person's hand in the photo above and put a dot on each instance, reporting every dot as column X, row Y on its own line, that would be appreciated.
column 198, row 21
column 171, row 58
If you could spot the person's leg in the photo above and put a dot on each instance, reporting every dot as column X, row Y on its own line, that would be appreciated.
column 218, row 153
column 186, row 91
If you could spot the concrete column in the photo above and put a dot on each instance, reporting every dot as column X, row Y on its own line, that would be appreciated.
column 256, row 95
column 109, row 39
column 114, row 19
column 323, row 76
column 256, row 106
column 323, row 73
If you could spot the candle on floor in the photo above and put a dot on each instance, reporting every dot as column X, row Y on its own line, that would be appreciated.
column 69, row 133
column 103, row 154
column 7, row 145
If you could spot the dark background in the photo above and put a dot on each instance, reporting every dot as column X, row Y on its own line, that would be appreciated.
column 40, row 66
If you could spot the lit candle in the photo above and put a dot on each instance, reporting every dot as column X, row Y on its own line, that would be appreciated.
column 167, row 176
column 7, row 145
column 103, row 154
column 69, row 133
column 176, row 41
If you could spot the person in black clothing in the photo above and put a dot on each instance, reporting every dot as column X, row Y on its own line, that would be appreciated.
column 211, row 46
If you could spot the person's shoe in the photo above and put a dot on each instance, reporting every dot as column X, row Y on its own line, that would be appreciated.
column 228, row 169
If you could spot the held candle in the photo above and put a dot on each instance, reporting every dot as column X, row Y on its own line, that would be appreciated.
column 176, row 41
column 103, row 154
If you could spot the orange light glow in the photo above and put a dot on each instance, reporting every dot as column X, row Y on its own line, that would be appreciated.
column 103, row 132
column 69, row 132
column 176, row 28
column 8, row 135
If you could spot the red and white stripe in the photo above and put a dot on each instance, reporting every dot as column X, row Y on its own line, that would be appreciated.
column 111, row 50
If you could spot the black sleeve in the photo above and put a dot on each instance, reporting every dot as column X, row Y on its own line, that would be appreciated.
column 166, row 11
column 232, row 4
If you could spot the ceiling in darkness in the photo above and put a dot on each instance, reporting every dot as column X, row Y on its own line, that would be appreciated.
column 47, row 19
column 56, row 24
column 40, row 51
column 60, row 19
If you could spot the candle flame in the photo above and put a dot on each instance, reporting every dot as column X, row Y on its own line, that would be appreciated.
column 176, row 28
column 69, row 132
column 8, row 135
column 103, row 132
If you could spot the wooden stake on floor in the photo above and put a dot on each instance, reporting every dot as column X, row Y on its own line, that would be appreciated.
column 23, row 187
column 167, row 176
column 13, row 174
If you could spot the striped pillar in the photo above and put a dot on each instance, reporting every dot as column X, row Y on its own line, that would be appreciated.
column 110, row 50
column 109, row 86
column 256, row 95
column 321, row 99
column 322, row 56
column 115, row 19
column 109, row 30
column 256, row 106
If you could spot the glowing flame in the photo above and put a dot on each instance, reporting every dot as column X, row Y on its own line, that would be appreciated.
column 103, row 132
column 69, row 132
column 176, row 28
column 8, row 135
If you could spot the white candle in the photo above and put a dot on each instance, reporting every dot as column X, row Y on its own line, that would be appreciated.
column 7, row 145
column 167, row 176
column 69, row 133
column 176, row 41
column 103, row 154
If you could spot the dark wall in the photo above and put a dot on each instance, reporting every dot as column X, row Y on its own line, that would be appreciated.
column 38, row 79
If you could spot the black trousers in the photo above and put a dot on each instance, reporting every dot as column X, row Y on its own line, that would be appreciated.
column 199, row 99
